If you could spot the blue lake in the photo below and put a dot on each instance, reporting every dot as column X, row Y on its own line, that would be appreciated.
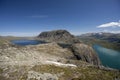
column 109, row 58
column 26, row 42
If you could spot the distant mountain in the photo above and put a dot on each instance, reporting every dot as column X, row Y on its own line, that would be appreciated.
column 108, row 40
column 60, row 36
column 0, row 36
column 111, row 37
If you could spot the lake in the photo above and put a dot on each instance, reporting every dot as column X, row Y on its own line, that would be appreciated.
column 26, row 42
column 109, row 58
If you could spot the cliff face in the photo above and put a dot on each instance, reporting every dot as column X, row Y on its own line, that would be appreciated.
column 85, row 53
column 60, row 36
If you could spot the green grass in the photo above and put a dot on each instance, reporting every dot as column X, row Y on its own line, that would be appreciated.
column 1, row 70
column 2, row 41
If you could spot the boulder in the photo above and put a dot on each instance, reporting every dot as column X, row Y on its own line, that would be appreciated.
column 85, row 53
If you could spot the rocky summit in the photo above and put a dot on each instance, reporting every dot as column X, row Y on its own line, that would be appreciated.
column 60, row 36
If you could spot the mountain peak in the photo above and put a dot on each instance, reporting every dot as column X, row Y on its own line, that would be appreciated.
column 60, row 36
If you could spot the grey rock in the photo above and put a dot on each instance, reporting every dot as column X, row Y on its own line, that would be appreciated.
column 85, row 53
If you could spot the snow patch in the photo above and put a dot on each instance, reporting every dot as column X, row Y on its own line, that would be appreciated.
column 60, row 64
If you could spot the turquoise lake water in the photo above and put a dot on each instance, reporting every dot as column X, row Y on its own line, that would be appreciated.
column 109, row 58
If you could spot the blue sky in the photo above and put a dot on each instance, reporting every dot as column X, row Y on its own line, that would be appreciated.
column 30, row 17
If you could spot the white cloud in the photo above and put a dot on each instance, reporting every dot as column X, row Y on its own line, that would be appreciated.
column 112, row 31
column 111, row 24
column 115, row 31
column 38, row 16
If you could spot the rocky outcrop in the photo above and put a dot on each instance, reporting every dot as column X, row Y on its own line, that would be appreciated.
column 60, row 36
column 85, row 53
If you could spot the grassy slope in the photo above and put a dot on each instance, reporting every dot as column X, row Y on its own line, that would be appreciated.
column 80, row 73
column 3, row 41
column 65, row 73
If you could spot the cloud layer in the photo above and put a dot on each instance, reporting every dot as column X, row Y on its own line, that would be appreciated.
column 111, row 31
column 38, row 16
column 111, row 24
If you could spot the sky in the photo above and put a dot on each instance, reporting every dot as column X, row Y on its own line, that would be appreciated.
column 30, row 17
